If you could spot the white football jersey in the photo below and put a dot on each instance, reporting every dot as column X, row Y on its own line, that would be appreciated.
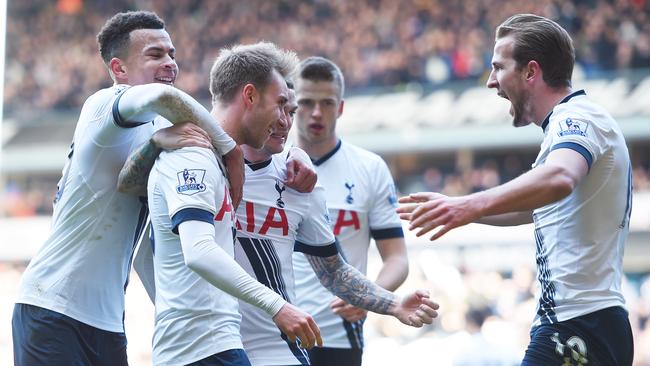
column 82, row 269
column 361, row 198
column 272, row 220
column 580, row 239
column 194, row 319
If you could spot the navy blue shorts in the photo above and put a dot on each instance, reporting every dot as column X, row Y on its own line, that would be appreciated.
column 231, row 357
column 45, row 337
column 602, row 338
column 324, row 356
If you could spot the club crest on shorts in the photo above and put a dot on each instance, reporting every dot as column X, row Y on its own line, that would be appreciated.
column 190, row 181
column 572, row 126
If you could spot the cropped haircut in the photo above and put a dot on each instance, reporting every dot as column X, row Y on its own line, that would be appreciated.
column 318, row 68
column 542, row 40
column 248, row 64
column 113, row 38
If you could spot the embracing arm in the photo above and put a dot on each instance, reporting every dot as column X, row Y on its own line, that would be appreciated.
column 145, row 101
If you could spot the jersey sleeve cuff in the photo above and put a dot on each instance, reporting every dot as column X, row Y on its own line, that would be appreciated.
column 317, row 251
column 389, row 233
column 577, row 148
column 191, row 214
column 117, row 117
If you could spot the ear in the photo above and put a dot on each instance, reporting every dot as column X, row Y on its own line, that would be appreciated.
column 340, row 111
column 118, row 68
column 249, row 94
column 533, row 71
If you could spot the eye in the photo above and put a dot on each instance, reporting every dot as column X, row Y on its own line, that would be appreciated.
column 306, row 103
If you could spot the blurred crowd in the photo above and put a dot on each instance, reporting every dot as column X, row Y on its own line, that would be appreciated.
column 52, row 59
column 487, row 174
column 485, row 316
column 33, row 195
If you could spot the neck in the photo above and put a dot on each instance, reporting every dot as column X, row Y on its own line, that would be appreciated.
column 317, row 150
column 229, row 118
column 254, row 155
column 549, row 99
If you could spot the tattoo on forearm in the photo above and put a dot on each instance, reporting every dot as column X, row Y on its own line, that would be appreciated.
column 349, row 284
column 135, row 173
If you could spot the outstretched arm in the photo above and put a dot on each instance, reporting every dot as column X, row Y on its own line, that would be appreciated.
column 392, row 274
column 551, row 182
column 352, row 286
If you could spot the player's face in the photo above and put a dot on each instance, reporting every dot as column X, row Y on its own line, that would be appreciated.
column 267, row 113
column 151, row 58
column 275, row 143
column 509, row 81
column 319, row 106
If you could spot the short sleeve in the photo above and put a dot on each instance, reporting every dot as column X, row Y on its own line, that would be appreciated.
column 574, row 132
column 315, row 235
column 193, row 185
column 384, row 221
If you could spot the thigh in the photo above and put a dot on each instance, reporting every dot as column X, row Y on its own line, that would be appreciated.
column 45, row 337
column 231, row 357
column 323, row 356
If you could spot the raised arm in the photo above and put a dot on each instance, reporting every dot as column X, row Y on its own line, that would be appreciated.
column 352, row 286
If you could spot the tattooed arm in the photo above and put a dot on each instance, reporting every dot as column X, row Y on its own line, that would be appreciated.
column 144, row 102
column 352, row 286
column 135, row 172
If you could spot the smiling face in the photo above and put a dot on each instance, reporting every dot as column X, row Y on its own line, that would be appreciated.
column 275, row 143
column 150, row 59
column 319, row 106
column 510, row 81
column 266, row 113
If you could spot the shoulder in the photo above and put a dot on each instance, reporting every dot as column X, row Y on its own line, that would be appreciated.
column 361, row 156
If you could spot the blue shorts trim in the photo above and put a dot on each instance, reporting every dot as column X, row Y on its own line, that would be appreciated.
column 231, row 357
column 45, row 337
column 601, row 338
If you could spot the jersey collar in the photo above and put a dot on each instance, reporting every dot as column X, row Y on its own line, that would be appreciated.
column 566, row 99
column 325, row 157
column 257, row 166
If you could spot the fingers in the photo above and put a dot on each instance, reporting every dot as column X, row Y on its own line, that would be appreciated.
column 291, row 166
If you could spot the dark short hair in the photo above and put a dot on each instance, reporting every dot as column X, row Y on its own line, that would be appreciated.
column 542, row 40
column 113, row 38
column 244, row 64
column 318, row 68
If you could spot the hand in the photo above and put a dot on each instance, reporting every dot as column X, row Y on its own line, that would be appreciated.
column 416, row 309
column 428, row 210
column 181, row 135
column 297, row 324
column 301, row 175
column 234, row 161
column 346, row 311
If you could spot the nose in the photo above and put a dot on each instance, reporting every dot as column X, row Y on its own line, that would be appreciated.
column 282, row 122
column 492, row 81
column 316, row 112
